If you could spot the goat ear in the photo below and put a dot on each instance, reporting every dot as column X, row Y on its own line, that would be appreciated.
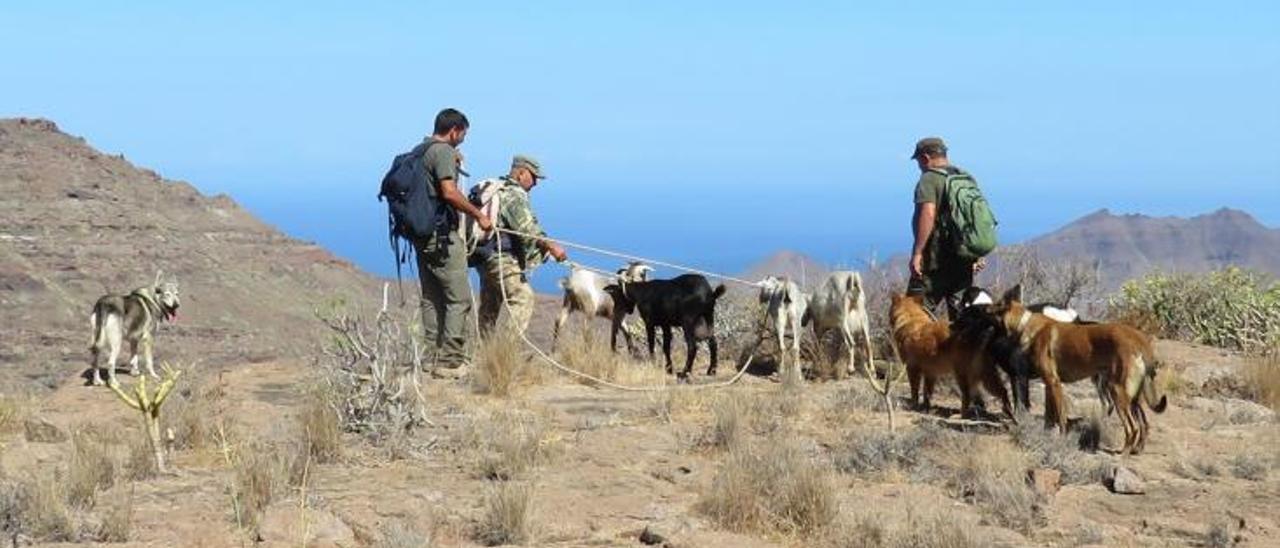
column 159, row 273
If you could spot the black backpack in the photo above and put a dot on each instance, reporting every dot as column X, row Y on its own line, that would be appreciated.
column 414, row 211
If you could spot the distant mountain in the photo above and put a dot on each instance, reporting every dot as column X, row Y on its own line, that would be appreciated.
column 76, row 223
column 1127, row 246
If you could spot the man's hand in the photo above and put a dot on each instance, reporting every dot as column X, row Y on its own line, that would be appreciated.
column 484, row 223
column 557, row 252
column 979, row 265
column 917, row 264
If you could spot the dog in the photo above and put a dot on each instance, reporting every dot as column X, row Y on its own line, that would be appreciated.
column 931, row 350
column 784, row 305
column 131, row 318
column 1067, row 352
column 840, row 304
column 974, row 319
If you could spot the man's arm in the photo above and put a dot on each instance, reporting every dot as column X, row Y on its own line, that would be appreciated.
column 922, row 226
column 450, row 194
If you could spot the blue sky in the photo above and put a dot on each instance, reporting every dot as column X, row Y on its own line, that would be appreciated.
column 707, row 133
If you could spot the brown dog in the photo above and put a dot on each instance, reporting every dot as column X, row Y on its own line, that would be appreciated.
column 931, row 350
column 1065, row 352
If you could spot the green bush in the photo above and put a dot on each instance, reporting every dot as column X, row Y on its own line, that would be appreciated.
column 1231, row 308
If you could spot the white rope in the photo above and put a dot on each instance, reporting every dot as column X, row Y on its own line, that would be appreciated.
column 502, row 284
column 629, row 257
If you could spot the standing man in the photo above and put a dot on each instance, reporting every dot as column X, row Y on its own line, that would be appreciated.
column 520, row 254
column 937, row 269
column 442, row 259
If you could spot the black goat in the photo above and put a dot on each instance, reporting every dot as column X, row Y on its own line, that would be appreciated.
column 687, row 302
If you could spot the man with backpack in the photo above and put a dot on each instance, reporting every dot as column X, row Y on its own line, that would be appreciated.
column 953, row 228
column 506, row 201
column 424, row 204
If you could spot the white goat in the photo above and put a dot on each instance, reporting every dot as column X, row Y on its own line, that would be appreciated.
column 840, row 303
column 784, row 306
column 584, row 292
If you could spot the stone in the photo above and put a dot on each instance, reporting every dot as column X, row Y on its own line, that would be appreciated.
column 1121, row 480
column 650, row 537
column 1045, row 481
column 42, row 431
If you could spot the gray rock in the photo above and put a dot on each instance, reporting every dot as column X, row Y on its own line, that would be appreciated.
column 42, row 431
column 1121, row 480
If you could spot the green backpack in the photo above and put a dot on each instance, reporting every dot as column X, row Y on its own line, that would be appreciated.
column 970, row 224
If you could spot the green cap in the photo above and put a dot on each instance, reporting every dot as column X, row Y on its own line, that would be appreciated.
column 929, row 145
column 530, row 163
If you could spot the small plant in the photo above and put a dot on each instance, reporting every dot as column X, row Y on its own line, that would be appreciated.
column 1262, row 379
column 320, row 427
column 501, row 367
column 1252, row 467
column 90, row 470
column 117, row 523
column 398, row 534
column 1062, row 453
column 507, row 506
column 40, row 509
column 733, row 417
column 12, row 412
column 507, row 444
column 775, row 489
column 1230, row 308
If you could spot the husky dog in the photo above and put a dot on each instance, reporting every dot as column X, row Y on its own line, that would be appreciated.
column 132, row 318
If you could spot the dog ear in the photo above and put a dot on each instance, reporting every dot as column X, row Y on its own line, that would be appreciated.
column 159, row 273
column 1013, row 295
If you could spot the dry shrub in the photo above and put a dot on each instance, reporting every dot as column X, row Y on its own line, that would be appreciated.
column 37, row 505
column 929, row 528
column 259, row 474
column 508, row 443
column 507, row 506
column 320, row 427
column 1250, row 466
column 876, row 451
column 992, row 475
column 1049, row 449
column 398, row 534
column 1220, row 535
column 587, row 351
column 669, row 405
column 1229, row 308
column 1064, row 282
column 501, row 367
column 13, row 410
column 141, row 463
column 734, row 416
column 117, row 523
column 1262, row 380
column 775, row 489
column 90, row 470
column 195, row 412
column 1195, row 467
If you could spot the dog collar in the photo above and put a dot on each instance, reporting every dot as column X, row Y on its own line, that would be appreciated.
column 1024, row 320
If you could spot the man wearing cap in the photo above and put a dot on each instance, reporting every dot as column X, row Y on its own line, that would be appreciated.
column 937, row 272
column 519, row 254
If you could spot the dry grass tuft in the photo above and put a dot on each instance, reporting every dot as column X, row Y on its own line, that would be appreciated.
column 398, row 534
column 992, row 475
column 258, row 475
column 321, row 427
column 13, row 410
column 1250, row 466
column 37, row 507
column 90, row 470
column 734, row 416
column 777, row 489
column 930, row 528
column 1194, row 468
column 195, row 412
column 141, row 463
column 1049, row 449
column 1262, row 377
column 507, row 506
column 508, row 443
column 501, row 366
column 117, row 523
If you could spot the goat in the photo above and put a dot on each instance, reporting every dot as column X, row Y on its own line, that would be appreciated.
column 784, row 305
column 840, row 304
column 584, row 291
column 687, row 302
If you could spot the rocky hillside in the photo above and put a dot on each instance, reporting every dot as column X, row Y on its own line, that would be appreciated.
column 76, row 223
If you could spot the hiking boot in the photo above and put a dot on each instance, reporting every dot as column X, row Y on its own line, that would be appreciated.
column 455, row 372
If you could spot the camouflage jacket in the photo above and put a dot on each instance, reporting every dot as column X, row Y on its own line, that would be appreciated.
column 516, row 213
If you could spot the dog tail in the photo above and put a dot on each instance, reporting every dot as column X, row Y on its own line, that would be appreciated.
column 1149, row 388
column 718, row 292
